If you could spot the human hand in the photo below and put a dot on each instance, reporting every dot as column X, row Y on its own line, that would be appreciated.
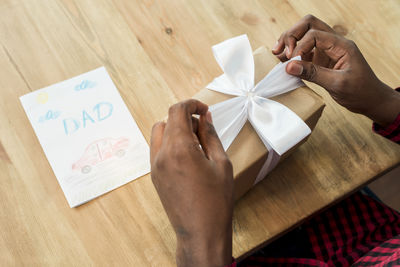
column 336, row 64
column 195, row 184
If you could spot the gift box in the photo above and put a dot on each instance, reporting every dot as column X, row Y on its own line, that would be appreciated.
column 247, row 152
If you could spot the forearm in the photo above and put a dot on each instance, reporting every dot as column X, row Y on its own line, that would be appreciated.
column 387, row 106
column 203, row 251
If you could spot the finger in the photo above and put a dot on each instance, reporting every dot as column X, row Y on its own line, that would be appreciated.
column 195, row 125
column 304, row 25
column 308, row 71
column 290, row 44
column 309, row 56
column 321, row 59
column 180, row 118
column 157, row 133
column 282, row 56
column 279, row 46
column 296, row 33
column 209, row 139
column 331, row 44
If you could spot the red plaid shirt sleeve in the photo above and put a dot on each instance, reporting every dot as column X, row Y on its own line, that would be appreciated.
column 231, row 265
column 386, row 254
column 392, row 131
column 358, row 229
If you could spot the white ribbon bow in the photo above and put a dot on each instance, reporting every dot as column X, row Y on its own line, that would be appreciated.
column 278, row 127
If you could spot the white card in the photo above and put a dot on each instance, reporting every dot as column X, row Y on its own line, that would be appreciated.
column 88, row 135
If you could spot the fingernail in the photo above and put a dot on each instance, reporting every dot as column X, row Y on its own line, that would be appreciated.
column 209, row 117
column 287, row 51
column 275, row 46
column 295, row 68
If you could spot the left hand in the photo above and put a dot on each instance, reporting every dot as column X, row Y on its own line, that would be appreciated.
column 195, row 184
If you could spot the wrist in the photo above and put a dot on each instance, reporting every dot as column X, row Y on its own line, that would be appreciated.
column 386, row 107
column 215, row 250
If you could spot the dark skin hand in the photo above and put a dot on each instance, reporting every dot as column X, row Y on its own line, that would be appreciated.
column 191, row 171
column 336, row 64
column 195, row 184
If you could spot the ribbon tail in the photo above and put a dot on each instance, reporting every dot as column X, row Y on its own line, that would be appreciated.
column 229, row 117
column 278, row 81
column 271, row 162
column 276, row 124
column 278, row 127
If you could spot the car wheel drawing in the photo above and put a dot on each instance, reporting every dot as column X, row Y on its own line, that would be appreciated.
column 120, row 153
column 86, row 169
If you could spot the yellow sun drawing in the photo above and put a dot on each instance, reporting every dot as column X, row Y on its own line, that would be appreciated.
column 42, row 98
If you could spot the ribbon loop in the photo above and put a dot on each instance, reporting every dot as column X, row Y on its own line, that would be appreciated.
column 238, row 65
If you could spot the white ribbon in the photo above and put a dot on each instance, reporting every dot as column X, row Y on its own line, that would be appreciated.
column 278, row 127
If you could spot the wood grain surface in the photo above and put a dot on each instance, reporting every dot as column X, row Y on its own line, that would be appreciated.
column 157, row 53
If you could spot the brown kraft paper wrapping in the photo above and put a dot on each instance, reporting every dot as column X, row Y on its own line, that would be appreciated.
column 247, row 152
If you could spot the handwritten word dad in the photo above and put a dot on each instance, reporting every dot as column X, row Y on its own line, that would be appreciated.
column 100, row 112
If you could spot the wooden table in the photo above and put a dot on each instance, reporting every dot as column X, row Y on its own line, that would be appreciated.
column 158, row 52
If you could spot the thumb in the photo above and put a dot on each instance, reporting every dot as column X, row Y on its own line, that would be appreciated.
column 157, row 133
column 209, row 139
column 313, row 73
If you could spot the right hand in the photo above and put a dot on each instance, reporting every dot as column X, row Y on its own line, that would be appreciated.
column 337, row 64
column 193, row 177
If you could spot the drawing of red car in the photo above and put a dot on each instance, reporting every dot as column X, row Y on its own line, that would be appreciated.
column 100, row 151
